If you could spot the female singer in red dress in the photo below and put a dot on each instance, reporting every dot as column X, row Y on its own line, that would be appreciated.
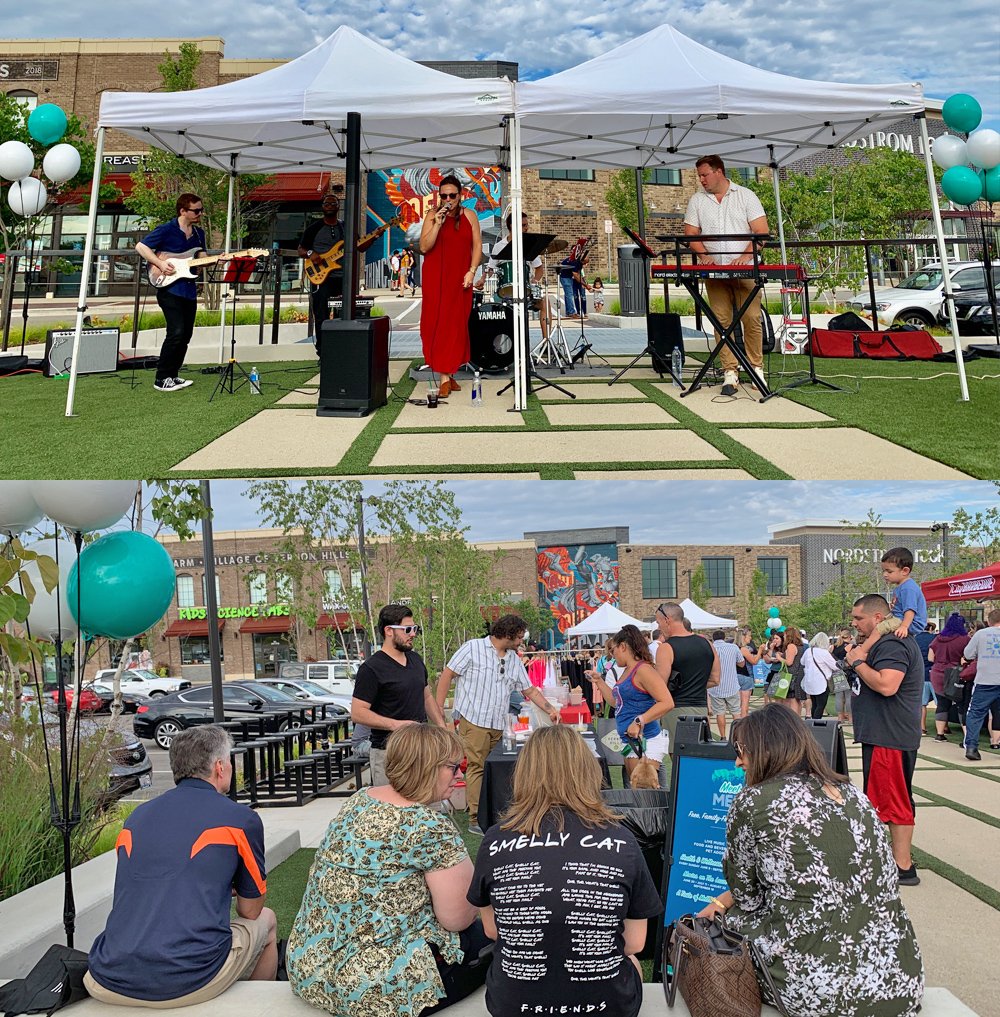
column 452, row 247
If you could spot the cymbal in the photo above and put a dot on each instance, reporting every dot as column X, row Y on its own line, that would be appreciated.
column 556, row 246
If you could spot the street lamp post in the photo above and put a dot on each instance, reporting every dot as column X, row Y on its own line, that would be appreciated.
column 942, row 528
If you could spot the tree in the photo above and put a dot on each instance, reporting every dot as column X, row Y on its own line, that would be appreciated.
column 867, row 197
column 755, row 606
column 163, row 176
column 16, row 231
column 698, row 591
column 977, row 535
column 620, row 194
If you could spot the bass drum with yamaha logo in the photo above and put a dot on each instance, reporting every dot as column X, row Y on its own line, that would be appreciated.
column 491, row 337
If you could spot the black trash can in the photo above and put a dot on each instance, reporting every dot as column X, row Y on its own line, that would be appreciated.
column 631, row 281
column 646, row 815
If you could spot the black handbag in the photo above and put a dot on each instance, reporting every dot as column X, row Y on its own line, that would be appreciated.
column 953, row 684
column 54, row 982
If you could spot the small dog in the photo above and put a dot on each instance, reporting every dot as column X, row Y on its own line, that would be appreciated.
column 646, row 775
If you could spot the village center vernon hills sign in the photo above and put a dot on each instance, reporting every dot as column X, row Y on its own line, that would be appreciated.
column 250, row 611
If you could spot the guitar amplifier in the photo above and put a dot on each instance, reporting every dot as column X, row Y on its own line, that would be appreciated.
column 98, row 351
column 353, row 366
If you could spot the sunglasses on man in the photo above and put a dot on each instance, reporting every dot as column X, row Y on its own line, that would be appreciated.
column 407, row 630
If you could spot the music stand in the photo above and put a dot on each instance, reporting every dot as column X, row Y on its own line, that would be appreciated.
column 647, row 254
column 811, row 379
column 235, row 272
column 533, row 245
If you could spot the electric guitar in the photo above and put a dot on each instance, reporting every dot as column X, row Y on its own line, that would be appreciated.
column 185, row 261
column 317, row 271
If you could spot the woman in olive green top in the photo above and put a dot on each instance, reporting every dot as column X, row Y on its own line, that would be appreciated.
column 812, row 880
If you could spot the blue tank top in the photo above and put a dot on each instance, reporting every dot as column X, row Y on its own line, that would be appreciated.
column 629, row 703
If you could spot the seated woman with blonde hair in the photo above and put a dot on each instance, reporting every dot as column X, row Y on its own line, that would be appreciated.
column 385, row 928
column 564, row 890
column 812, row 880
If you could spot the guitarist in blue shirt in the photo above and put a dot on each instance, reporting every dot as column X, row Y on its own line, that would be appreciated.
column 178, row 301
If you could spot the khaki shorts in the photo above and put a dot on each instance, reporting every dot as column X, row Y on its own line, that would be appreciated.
column 376, row 763
column 249, row 940
column 722, row 704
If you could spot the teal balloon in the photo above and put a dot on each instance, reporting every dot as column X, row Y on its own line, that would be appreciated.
column 124, row 581
column 773, row 612
column 962, row 113
column 991, row 184
column 962, row 185
column 47, row 123
column 782, row 629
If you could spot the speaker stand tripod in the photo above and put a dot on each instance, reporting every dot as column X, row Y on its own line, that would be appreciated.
column 227, row 377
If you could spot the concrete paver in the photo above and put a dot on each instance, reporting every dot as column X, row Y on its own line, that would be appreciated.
column 959, row 840
column 280, row 439
column 710, row 405
column 965, row 788
column 483, row 449
column 806, row 454
column 663, row 475
column 613, row 413
column 457, row 410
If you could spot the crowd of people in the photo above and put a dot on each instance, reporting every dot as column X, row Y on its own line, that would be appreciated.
column 397, row 918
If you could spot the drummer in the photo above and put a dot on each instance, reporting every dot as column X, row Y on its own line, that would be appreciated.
column 537, row 270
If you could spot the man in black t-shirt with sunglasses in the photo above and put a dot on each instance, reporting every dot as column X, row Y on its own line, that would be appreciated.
column 391, row 687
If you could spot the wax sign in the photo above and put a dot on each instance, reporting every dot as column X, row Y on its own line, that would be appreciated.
column 704, row 790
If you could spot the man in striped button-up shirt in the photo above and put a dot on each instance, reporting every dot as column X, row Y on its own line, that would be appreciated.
column 726, row 695
column 486, row 672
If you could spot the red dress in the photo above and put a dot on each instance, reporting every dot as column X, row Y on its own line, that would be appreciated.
column 444, row 314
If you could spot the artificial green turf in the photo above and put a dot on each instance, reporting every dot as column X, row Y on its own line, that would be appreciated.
column 286, row 884
column 987, row 894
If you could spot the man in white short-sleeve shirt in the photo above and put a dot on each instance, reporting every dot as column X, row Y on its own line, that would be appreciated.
column 724, row 207
column 486, row 672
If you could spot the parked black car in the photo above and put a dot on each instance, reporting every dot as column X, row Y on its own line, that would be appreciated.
column 131, row 768
column 162, row 719
column 973, row 312
column 131, row 701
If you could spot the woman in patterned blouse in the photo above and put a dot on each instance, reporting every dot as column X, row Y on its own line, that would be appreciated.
column 385, row 929
column 812, row 880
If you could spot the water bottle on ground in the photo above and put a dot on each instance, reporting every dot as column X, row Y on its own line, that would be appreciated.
column 677, row 365
column 477, row 390
column 254, row 381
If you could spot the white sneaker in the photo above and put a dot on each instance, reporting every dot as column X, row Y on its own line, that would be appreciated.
column 759, row 374
column 170, row 384
column 730, row 380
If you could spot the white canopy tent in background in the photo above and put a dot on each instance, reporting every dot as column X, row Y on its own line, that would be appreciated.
column 605, row 621
column 660, row 100
column 701, row 619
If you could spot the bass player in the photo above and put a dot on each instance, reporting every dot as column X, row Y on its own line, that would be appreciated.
column 179, row 301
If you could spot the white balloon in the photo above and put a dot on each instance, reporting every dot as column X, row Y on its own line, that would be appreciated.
column 49, row 615
column 16, row 160
column 84, row 505
column 949, row 151
column 61, row 163
column 18, row 509
column 27, row 196
column 984, row 148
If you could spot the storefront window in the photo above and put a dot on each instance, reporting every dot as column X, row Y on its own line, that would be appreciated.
column 269, row 650
column 194, row 650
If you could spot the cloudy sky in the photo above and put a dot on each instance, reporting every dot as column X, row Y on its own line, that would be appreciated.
column 948, row 47
column 666, row 511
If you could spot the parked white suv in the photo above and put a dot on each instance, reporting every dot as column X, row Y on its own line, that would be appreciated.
column 335, row 676
column 918, row 298
column 146, row 683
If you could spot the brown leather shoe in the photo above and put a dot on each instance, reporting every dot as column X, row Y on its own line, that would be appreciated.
column 455, row 387
column 443, row 389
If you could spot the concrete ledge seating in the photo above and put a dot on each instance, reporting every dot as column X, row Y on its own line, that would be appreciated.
column 275, row 999
column 31, row 921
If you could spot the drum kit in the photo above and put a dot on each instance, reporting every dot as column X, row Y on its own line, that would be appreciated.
column 491, row 323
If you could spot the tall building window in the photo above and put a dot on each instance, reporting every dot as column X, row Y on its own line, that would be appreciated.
column 659, row 579
column 719, row 575
column 24, row 97
column 355, row 579
column 284, row 588
column 185, row 591
column 204, row 591
column 776, row 571
column 258, row 588
column 742, row 174
column 565, row 174
column 671, row 177
column 333, row 588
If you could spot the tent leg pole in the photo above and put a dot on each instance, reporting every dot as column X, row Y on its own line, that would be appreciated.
column 949, row 298
column 229, row 238
column 520, row 339
column 88, row 258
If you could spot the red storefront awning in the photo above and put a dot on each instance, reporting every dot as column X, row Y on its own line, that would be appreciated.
column 194, row 627
column 337, row 620
column 982, row 584
column 273, row 624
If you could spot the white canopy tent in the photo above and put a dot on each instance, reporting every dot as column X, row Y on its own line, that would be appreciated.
column 605, row 621
column 701, row 619
column 660, row 100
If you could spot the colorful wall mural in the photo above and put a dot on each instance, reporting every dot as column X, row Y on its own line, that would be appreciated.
column 408, row 192
column 573, row 581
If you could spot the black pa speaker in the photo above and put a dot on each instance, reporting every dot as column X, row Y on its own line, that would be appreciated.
column 663, row 332
column 353, row 366
column 829, row 733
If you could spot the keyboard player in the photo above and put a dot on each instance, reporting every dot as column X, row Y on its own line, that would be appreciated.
column 724, row 207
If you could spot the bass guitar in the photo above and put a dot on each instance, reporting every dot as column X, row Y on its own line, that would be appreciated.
column 185, row 262
column 318, row 270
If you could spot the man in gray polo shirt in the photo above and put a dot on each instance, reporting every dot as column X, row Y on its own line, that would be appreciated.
column 727, row 208
column 983, row 647
column 726, row 695
column 487, row 671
